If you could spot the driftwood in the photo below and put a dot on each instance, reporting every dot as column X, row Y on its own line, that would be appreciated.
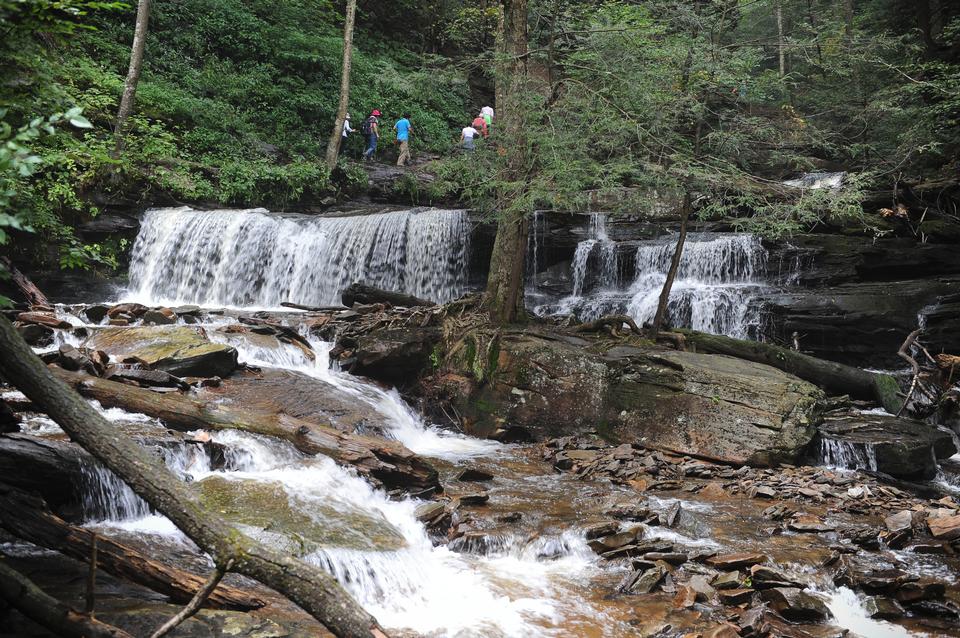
column 388, row 462
column 20, row 592
column 835, row 377
column 364, row 294
column 904, row 353
column 27, row 517
column 33, row 295
column 309, row 586
column 196, row 602
column 612, row 322
column 297, row 306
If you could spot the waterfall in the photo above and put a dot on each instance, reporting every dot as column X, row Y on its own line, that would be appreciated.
column 253, row 258
column 818, row 180
column 846, row 454
column 602, row 249
column 714, row 291
column 715, row 284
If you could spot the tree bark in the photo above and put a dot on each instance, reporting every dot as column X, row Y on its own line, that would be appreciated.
column 835, row 377
column 313, row 589
column 27, row 517
column 31, row 293
column 49, row 612
column 133, row 75
column 388, row 462
column 504, row 294
column 781, row 45
column 336, row 137
column 664, row 300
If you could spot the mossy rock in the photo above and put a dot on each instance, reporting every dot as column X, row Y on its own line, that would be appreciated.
column 180, row 350
column 267, row 512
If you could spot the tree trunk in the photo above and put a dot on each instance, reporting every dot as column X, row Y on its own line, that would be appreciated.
column 835, row 377
column 781, row 45
column 46, row 611
column 31, row 293
column 504, row 294
column 388, row 462
column 27, row 517
column 664, row 300
column 133, row 75
column 310, row 587
column 336, row 137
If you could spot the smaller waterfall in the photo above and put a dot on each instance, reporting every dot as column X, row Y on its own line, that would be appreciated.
column 599, row 249
column 718, row 279
column 846, row 455
column 818, row 180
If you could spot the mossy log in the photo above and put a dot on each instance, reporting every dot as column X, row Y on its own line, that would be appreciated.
column 27, row 517
column 835, row 377
column 388, row 462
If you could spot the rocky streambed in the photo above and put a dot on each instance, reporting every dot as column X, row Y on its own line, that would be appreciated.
column 602, row 532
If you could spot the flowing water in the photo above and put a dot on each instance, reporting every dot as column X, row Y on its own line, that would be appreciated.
column 528, row 579
column 249, row 258
column 715, row 290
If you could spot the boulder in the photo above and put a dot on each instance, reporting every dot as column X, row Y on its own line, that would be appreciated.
column 35, row 334
column 902, row 448
column 96, row 313
column 712, row 406
column 159, row 317
column 736, row 561
column 796, row 604
column 180, row 350
column 945, row 527
column 644, row 582
column 883, row 608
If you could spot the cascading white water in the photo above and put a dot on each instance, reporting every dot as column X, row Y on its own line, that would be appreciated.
column 253, row 258
column 605, row 251
column 847, row 454
column 718, row 277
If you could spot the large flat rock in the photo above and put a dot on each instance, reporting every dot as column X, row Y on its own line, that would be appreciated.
column 706, row 405
column 180, row 350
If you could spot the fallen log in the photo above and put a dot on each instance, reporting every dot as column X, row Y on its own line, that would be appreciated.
column 297, row 306
column 27, row 517
column 31, row 601
column 33, row 295
column 309, row 586
column 388, row 462
column 364, row 294
column 834, row 377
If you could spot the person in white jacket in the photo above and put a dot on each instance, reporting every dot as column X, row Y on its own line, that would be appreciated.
column 346, row 131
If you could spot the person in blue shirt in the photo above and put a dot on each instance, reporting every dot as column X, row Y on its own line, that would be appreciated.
column 403, row 129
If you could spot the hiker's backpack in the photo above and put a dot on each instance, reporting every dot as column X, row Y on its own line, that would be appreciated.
column 367, row 127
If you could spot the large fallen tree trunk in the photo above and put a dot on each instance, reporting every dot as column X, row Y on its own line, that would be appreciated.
column 46, row 611
column 313, row 589
column 386, row 461
column 834, row 377
column 27, row 517
column 364, row 294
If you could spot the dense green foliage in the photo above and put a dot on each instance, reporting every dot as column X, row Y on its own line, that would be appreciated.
column 235, row 104
column 668, row 97
column 237, row 99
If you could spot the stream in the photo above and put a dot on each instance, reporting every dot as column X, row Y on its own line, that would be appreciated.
column 524, row 567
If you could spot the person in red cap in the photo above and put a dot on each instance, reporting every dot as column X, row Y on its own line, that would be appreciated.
column 371, row 131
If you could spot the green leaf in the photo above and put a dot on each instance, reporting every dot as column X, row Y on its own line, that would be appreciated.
column 80, row 122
